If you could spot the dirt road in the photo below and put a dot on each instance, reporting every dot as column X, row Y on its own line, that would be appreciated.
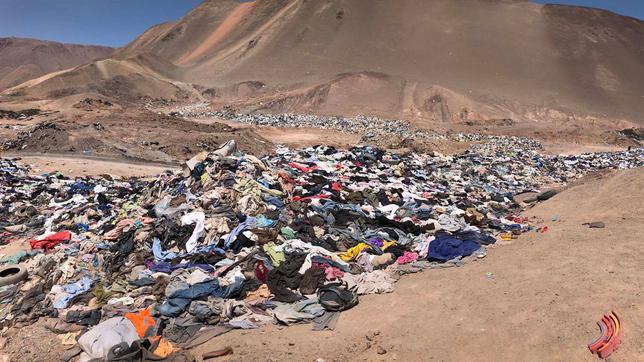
column 73, row 166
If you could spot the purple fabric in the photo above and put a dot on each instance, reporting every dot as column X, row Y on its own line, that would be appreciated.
column 377, row 242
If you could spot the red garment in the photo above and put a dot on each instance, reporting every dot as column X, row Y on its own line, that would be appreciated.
column 4, row 238
column 336, row 186
column 261, row 272
column 50, row 241
column 302, row 167
column 283, row 175
column 518, row 220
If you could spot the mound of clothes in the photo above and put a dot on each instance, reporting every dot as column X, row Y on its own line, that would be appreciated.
column 148, row 267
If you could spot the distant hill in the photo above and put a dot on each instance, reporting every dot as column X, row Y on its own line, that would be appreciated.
column 24, row 59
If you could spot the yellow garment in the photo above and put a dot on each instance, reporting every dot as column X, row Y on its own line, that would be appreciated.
column 387, row 243
column 352, row 254
column 205, row 177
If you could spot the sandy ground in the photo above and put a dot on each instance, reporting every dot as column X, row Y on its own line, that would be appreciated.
column 74, row 166
column 293, row 137
column 576, row 149
column 545, row 296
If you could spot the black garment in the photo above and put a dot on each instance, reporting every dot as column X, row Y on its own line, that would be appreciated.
column 397, row 250
column 182, row 329
column 202, row 258
column 407, row 226
column 312, row 280
column 120, row 251
column 248, row 286
column 286, row 277
column 172, row 234
column 326, row 243
column 242, row 241
column 344, row 217
column 84, row 318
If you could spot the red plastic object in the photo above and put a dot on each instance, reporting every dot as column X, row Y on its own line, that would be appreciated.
column 611, row 336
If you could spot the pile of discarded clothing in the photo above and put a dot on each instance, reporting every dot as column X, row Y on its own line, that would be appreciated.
column 135, row 267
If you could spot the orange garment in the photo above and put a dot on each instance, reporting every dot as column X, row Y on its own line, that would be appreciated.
column 165, row 348
column 142, row 321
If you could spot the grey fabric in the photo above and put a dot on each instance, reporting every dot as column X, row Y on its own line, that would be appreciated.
column 302, row 311
column 97, row 342
column 327, row 321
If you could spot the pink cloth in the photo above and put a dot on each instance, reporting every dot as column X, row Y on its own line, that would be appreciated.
column 407, row 257
column 333, row 273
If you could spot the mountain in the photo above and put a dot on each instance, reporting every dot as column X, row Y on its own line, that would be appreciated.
column 443, row 60
column 24, row 59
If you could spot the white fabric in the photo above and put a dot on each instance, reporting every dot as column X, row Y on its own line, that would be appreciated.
column 97, row 342
column 197, row 218
column 299, row 245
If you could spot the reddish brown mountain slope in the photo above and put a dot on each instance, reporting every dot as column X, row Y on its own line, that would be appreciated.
column 23, row 59
column 424, row 59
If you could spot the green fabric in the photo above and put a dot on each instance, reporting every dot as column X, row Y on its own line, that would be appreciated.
column 277, row 257
column 288, row 233
column 102, row 296
column 17, row 257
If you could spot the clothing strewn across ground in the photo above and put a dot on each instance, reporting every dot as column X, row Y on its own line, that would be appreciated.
column 537, row 298
column 546, row 293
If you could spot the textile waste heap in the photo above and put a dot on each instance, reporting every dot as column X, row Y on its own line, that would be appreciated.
column 234, row 241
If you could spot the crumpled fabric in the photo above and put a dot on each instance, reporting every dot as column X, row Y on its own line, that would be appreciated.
column 253, row 318
column 333, row 273
column 163, row 209
column 296, row 245
column 159, row 254
column 451, row 223
column 236, row 231
column 50, row 241
column 352, row 254
column 207, row 311
column 481, row 238
column 180, row 294
column 198, row 218
column 408, row 257
column 282, row 281
column 312, row 280
column 302, row 311
column 277, row 256
column 446, row 247
column 376, row 282
column 97, row 342
column 72, row 290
